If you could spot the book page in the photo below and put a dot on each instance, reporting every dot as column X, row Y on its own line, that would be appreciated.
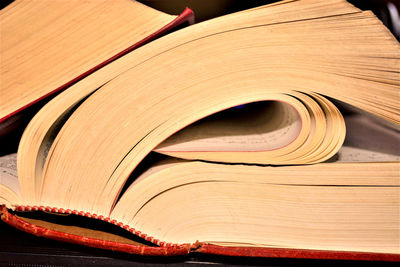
column 51, row 135
column 8, row 172
column 259, row 126
column 368, row 141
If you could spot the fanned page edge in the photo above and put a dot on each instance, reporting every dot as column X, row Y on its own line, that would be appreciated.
column 169, row 249
column 186, row 16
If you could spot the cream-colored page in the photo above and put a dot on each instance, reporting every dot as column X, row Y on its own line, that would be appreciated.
column 256, row 127
column 367, row 140
column 8, row 172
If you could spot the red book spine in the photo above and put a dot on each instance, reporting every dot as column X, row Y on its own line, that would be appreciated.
column 164, row 249
column 169, row 249
column 296, row 253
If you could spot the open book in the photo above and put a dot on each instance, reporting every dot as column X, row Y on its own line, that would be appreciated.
column 241, row 108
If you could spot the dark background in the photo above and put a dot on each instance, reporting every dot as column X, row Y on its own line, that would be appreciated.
column 20, row 249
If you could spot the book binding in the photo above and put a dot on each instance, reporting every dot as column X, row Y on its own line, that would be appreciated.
column 169, row 249
column 164, row 249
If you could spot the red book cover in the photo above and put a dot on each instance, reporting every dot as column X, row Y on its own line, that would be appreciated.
column 166, row 249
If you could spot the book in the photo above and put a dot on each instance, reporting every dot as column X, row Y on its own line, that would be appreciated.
column 48, row 46
column 223, row 138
